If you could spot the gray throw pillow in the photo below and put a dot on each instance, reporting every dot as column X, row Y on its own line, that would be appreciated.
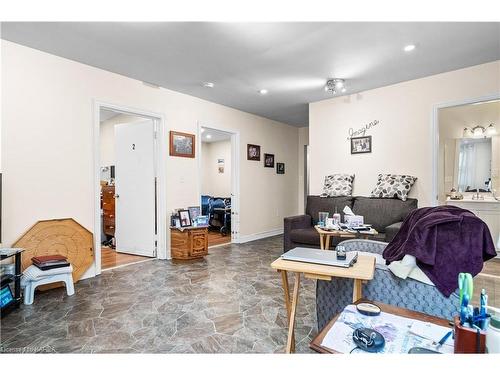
column 393, row 186
column 338, row 185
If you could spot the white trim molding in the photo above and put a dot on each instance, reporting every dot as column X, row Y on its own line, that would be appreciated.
column 259, row 236
column 235, row 174
column 161, row 185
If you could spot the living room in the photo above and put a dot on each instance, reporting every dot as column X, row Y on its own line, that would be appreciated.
column 323, row 151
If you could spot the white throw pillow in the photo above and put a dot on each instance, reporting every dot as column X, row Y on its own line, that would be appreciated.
column 338, row 185
column 393, row 186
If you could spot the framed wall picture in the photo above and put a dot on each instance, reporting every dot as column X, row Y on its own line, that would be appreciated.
column 361, row 145
column 280, row 168
column 185, row 218
column 269, row 160
column 253, row 152
column 182, row 144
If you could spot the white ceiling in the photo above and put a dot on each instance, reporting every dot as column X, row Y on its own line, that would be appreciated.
column 211, row 136
column 291, row 60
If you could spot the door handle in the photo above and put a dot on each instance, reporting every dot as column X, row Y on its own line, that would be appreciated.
column 117, row 195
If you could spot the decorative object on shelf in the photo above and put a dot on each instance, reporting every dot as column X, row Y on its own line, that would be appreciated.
column 393, row 186
column 188, row 243
column 480, row 131
column 280, row 168
column 185, row 218
column 269, row 160
column 338, row 185
column 335, row 85
column 194, row 213
column 253, row 152
column 361, row 145
column 220, row 165
column 182, row 144
column 65, row 237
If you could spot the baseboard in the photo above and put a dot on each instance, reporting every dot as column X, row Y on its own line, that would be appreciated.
column 259, row 236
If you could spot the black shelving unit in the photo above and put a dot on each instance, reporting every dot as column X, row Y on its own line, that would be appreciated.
column 9, row 278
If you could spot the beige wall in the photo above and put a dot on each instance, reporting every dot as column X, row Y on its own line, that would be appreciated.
column 47, row 149
column 214, row 183
column 303, row 140
column 403, row 140
column 107, row 136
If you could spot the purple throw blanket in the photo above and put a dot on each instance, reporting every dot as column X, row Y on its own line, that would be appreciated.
column 446, row 240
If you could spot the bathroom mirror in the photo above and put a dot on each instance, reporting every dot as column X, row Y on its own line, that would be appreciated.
column 472, row 167
column 469, row 149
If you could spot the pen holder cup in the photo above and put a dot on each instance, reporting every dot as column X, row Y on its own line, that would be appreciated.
column 467, row 340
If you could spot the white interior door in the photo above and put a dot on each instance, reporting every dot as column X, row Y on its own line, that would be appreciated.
column 135, row 188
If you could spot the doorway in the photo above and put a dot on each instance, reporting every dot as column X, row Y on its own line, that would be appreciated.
column 218, row 184
column 128, row 220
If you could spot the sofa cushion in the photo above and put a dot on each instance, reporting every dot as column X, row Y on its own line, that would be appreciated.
column 316, row 204
column 308, row 236
column 393, row 186
column 338, row 185
column 382, row 212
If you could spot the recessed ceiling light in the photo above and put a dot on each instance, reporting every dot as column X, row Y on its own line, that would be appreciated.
column 409, row 47
column 208, row 136
column 208, row 84
column 263, row 91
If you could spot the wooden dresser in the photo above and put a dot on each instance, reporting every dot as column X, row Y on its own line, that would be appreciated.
column 108, row 209
column 188, row 243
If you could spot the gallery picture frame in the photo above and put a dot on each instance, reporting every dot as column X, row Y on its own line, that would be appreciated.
column 253, row 152
column 361, row 145
column 269, row 160
column 182, row 144
column 280, row 168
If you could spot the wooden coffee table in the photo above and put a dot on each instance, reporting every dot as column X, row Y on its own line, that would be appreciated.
column 316, row 343
column 362, row 270
column 326, row 235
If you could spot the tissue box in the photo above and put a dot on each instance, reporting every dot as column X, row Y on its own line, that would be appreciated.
column 353, row 220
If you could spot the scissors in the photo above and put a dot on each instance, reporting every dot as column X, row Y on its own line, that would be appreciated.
column 465, row 286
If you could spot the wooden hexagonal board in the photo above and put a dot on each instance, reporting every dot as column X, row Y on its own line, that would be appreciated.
column 60, row 236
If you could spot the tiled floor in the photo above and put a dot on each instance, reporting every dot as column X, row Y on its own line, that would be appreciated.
column 231, row 302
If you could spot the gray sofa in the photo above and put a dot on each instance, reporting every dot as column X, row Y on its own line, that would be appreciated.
column 384, row 214
column 332, row 296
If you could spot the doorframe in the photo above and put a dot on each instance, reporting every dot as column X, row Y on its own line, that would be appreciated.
column 160, row 158
column 435, row 136
column 235, row 174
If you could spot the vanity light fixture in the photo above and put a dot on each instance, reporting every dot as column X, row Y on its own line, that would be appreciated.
column 409, row 47
column 480, row 131
column 209, row 85
column 263, row 91
column 334, row 85
column 490, row 131
column 467, row 133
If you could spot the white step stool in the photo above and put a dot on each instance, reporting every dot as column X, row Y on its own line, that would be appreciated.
column 34, row 277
